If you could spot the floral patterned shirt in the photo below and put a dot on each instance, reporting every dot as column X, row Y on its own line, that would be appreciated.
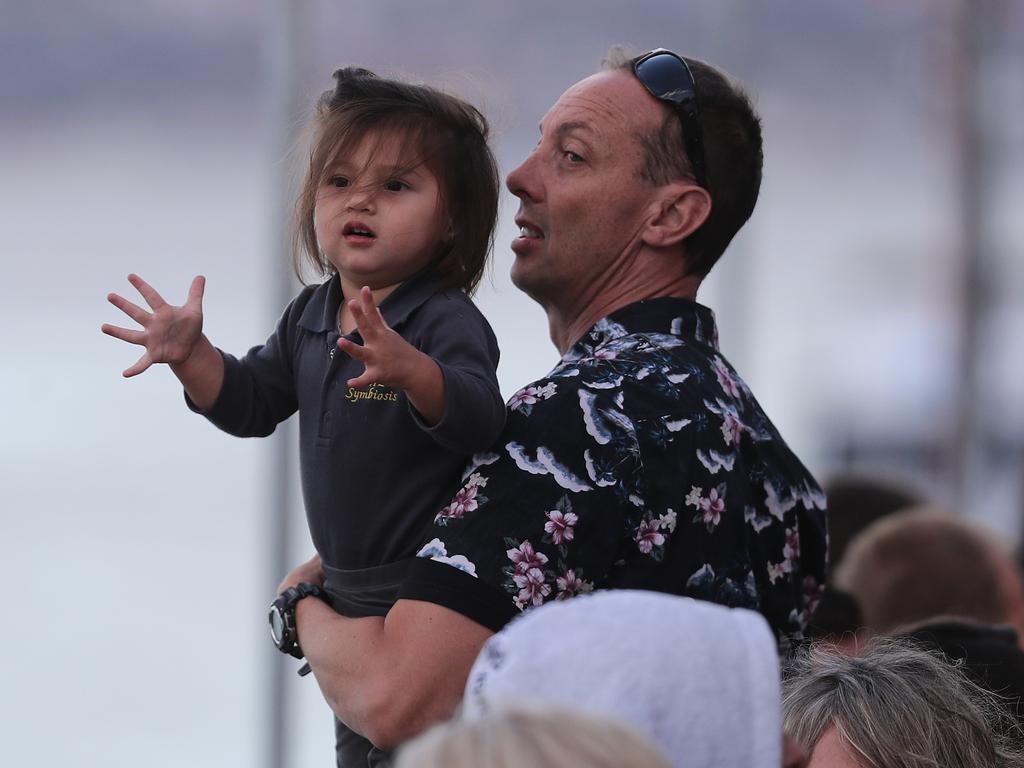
column 641, row 461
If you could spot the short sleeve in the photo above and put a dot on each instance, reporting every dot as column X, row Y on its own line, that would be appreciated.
column 541, row 515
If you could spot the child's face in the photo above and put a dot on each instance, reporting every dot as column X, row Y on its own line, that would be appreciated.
column 377, row 226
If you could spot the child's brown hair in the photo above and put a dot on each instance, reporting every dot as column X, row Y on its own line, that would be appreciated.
column 445, row 134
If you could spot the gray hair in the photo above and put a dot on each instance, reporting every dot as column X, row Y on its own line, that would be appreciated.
column 897, row 706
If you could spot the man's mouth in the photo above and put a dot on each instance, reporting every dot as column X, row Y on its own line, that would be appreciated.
column 528, row 229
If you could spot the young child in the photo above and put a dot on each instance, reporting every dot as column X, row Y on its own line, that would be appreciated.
column 397, row 210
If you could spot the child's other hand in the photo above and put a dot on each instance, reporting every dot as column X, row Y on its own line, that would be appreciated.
column 389, row 359
column 168, row 333
column 310, row 571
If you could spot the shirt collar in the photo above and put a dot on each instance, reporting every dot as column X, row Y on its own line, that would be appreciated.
column 683, row 318
column 321, row 312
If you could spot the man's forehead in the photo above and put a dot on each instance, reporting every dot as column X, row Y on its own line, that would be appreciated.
column 603, row 103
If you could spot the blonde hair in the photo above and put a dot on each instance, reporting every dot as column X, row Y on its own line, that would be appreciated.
column 540, row 738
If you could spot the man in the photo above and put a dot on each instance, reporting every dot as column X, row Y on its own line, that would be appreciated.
column 642, row 460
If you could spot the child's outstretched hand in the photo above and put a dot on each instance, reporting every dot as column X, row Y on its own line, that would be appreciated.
column 389, row 359
column 169, row 333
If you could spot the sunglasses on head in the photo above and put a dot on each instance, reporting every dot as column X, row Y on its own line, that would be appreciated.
column 667, row 77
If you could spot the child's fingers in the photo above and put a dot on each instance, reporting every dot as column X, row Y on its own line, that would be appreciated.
column 357, row 313
column 140, row 365
column 352, row 349
column 364, row 380
column 195, row 291
column 134, row 311
column 124, row 334
column 370, row 309
column 148, row 292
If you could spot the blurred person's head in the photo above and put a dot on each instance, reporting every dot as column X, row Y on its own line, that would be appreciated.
column 837, row 621
column 893, row 706
column 611, row 189
column 536, row 737
column 855, row 502
column 379, row 136
column 699, row 679
column 921, row 564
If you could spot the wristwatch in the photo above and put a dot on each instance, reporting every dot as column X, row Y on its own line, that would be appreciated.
column 282, row 616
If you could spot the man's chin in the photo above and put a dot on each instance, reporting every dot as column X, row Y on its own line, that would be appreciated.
column 530, row 279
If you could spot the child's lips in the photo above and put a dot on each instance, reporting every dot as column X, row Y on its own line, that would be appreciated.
column 357, row 233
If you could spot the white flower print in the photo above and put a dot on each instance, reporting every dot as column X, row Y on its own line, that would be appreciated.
column 667, row 521
column 694, row 496
column 560, row 525
column 476, row 480
column 777, row 570
column 530, row 395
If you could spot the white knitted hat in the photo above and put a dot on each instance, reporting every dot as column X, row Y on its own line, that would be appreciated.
column 699, row 679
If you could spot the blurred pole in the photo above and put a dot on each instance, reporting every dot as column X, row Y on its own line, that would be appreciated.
column 971, row 27
column 730, row 23
column 285, row 35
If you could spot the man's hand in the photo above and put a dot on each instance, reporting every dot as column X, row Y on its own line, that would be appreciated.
column 169, row 333
column 310, row 571
column 392, row 361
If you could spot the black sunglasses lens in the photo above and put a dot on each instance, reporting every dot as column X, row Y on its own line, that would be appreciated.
column 666, row 77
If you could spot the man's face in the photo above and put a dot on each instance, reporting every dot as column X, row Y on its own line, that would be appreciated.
column 582, row 201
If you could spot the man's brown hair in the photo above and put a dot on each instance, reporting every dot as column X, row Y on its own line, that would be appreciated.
column 733, row 157
column 443, row 133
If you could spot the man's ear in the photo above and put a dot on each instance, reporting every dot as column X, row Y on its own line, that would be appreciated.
column 676, row 213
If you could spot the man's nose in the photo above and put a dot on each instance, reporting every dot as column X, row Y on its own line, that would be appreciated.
column 523, row 181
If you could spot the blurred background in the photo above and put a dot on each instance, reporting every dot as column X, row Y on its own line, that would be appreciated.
column 874, row 303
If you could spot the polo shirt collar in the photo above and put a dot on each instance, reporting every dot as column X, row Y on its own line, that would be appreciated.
column 682, row 318
column 321, row 311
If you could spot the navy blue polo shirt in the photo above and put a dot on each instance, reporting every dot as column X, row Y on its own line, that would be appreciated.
column 373, row 473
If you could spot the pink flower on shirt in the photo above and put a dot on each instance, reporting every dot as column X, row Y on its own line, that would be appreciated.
column 712, row 508
column 532, row 587
column 725, row 378
column 526, row 558
column 570, row 585
column 648, row 536
column 464, row 501
column 560, row 525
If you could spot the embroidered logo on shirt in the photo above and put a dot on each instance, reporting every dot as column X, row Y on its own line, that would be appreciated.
column 373, row 392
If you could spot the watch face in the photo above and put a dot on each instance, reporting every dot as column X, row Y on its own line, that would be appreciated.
column 276, row 626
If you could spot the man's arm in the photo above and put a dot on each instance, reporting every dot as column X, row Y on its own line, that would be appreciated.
column 390, row 678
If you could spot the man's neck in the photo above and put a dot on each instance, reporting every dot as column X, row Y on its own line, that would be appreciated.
column 568, row 324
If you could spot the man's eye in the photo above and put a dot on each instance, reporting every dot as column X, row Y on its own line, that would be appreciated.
column 339, row 181
column 394, row 185
column 572, row 157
